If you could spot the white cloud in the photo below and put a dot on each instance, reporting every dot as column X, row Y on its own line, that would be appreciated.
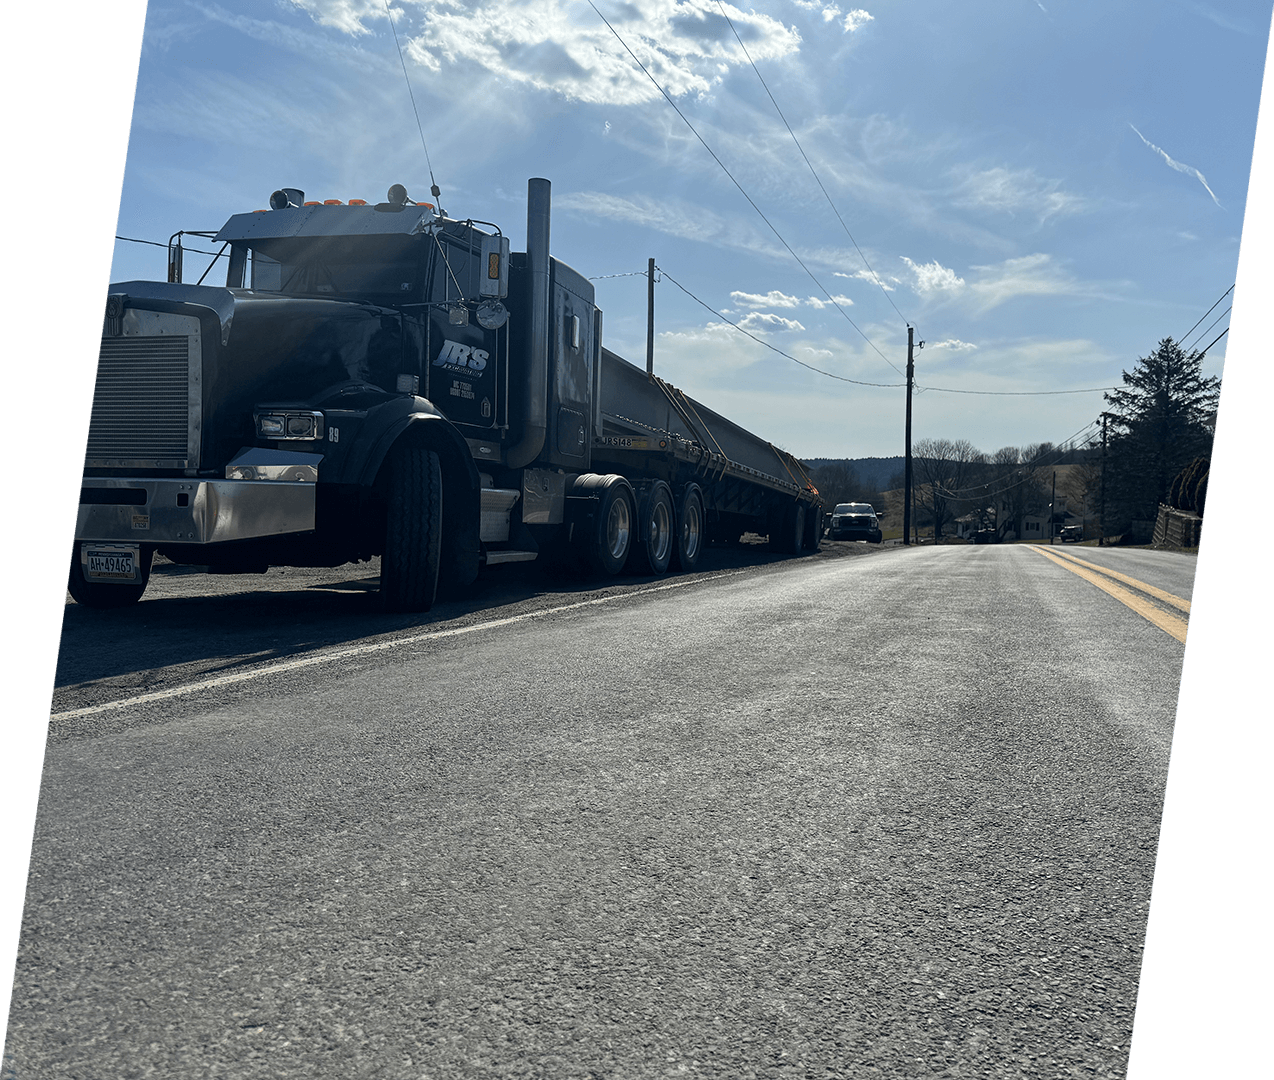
column 856, row 19
column 774, row 298
column 934, row 278
column 564, row 49
column 1030, row 275
column 867, row 275
column 954, row 345
column 990, row 286
column 830, row 13
column 760, row 322
column 1019, row 191
column 673, row 217
column 344, row 15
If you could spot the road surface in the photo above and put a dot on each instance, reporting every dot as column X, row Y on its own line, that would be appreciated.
column 885, row 815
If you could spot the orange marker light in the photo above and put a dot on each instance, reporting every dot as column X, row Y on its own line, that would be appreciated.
column 358, row 202
column 331, row 202
column 313, row 204
column 427, row 205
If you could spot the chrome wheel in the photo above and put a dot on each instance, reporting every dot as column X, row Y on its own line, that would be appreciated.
column 618, row 530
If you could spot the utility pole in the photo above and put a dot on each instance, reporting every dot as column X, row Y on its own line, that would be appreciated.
column 1101, row 513
column 906, row 489
column 1052, row 512
column 650, row 320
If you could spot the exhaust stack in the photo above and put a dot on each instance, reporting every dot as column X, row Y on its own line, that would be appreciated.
column 535, row 414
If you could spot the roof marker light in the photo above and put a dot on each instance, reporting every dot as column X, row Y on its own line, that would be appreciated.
column 332, row 202
column 358, row 202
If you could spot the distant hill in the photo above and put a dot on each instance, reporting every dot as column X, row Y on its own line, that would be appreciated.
column 872, row 472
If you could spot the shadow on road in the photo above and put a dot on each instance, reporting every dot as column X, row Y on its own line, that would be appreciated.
column 213, row 624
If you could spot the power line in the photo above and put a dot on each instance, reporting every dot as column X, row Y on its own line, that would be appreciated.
column 1063, row 447
column 842, row 378
column 1214, row 341
column 811, row 166
column 156, row 243
column 736, row 183
column 1017, row 393
column 1206, row 314
column 1204, row 333
column 772, row 348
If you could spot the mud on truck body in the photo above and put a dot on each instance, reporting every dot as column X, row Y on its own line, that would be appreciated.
column 387, row 381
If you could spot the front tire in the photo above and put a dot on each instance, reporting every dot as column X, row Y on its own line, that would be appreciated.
column 413, row 531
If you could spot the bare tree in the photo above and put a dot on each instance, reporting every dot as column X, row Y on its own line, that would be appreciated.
column 838, row 482
column 947, row 475
column 1018, row 489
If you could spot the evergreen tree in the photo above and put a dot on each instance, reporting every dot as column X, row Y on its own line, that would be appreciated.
column 1162, row 418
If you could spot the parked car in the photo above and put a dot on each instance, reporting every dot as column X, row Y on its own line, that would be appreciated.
column 1073, row 533
column 855, row 521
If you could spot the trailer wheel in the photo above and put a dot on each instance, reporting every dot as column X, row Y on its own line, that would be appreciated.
column 656, row 531
column 690, row 529
column 813, row 527
column 413, row 531
column 99, row 594
column 611, row 540
column 789, row 539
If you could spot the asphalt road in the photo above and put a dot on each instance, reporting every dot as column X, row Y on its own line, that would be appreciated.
column 889, row 816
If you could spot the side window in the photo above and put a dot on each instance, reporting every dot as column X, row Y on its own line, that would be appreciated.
column 267, row 274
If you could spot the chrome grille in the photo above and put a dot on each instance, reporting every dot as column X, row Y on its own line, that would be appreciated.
column 141, row 402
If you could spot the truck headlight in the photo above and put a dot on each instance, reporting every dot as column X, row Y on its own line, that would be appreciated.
column 289, row 425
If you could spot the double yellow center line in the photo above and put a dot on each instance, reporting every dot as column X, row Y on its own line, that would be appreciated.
column 1105, row 580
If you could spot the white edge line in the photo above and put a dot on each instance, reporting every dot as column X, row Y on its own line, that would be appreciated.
column 360, row 650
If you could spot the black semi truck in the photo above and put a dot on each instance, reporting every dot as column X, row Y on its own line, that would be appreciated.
column 383, row 380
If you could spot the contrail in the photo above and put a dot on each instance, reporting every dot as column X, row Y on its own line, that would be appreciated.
column 1178, row 166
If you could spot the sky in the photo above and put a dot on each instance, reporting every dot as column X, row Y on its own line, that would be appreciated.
column 1044, row 191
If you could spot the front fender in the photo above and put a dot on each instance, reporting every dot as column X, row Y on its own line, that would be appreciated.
column 382, row 427
column 415, row 421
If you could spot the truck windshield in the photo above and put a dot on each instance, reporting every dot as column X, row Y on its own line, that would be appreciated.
column 390, row 269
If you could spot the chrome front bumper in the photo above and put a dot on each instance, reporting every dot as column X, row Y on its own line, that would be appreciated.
column 145, row 511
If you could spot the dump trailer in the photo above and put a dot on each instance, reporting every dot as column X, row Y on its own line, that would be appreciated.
column 386, row 381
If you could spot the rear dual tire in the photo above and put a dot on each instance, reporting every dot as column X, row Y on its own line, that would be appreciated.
column 656, row 533
column 691, row 529
column 604, row 523
column 646, row 534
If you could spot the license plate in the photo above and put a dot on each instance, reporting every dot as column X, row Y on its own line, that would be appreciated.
column 110, row 563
